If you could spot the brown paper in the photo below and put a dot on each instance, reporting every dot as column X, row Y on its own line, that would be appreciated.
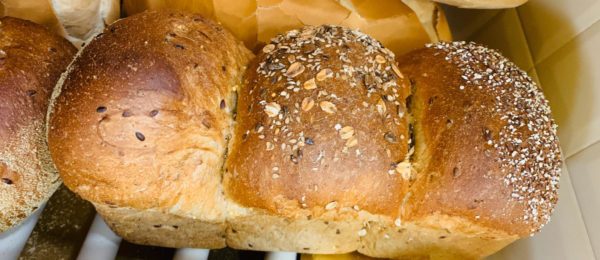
column 392, row 22
column 239, row 18
column 38, row 11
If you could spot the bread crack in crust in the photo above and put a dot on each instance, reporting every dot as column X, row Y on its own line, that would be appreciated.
column 322, row 143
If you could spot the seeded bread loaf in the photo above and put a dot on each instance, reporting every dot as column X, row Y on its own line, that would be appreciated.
column 31, row 61
column 319, row 144
column 147, row 108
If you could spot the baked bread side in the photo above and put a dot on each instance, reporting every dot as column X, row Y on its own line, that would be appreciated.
column 31, row 61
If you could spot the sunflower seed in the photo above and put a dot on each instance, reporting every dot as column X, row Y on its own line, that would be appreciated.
column 272, row 109
column 331, row 205
column 381, row 108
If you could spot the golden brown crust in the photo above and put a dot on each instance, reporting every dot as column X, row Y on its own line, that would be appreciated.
column 31, row 61
column 141, row 123
column 321, row 122
column 486, row 146
column 146, row 108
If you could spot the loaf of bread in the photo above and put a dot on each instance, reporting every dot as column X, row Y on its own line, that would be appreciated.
column 31, row 61
column 319, row 144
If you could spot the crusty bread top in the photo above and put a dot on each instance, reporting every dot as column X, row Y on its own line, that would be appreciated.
column 486, row 144
column 321, row 124
column 31, row 61
column 143, row 116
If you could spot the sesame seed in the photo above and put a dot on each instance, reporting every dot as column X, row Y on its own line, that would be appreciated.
column 270, row 146
column 398, row 222
column 331, row 205
column 381, row 108
column 531, row 162
column 362, row 232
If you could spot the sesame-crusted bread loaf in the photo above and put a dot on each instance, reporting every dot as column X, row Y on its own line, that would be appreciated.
column 319, row 144
column 31, row 61
column 486, row 144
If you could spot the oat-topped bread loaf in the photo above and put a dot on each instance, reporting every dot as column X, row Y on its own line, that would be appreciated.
column 319, row 144
column 31, row 61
